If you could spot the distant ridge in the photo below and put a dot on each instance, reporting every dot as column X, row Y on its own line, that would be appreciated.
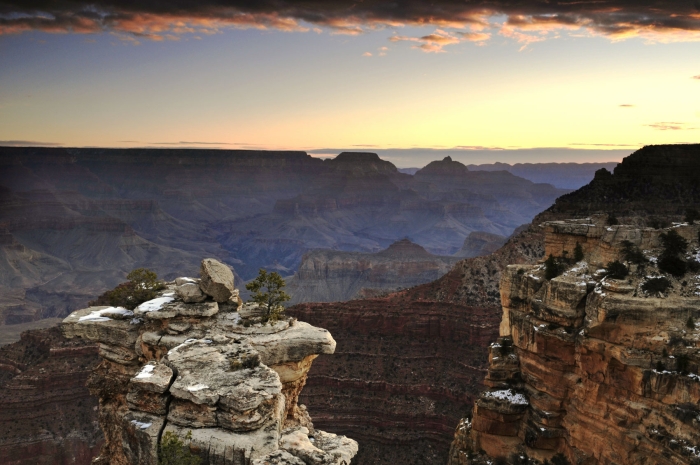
column 657, row 179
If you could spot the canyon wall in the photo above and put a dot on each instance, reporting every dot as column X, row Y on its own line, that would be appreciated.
column 47, row 415
column 408, row 366
column 332, row 276
column 598, row 370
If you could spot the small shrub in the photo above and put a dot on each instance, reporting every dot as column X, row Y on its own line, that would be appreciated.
column 659, row 366
column 693, row 265
column 690, row 324
column 616, row 270
column 655, row 285
column 673, row 243
column 553, row 267
column 673, row 265
column 142, row 285
column 632, row 254
column 560, row 459
column 691, row 216
column 578, row 253
column 612, row 220
column 173, row 451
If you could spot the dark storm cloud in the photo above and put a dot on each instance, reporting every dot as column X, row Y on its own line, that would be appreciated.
column 161, row 19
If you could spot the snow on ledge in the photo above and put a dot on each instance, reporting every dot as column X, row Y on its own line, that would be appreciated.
column 155, row 304
column 140, row 425
column 146, row 372
column 101, row 315
column 508, row 394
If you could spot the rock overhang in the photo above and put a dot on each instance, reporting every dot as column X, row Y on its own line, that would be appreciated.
column 196, row 366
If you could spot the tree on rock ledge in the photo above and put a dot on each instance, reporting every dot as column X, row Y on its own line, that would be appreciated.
column 173, row 451
column 267, row 292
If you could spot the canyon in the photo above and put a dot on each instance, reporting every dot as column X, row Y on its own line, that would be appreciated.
column 471, row 287
column 73, row 222
column 446, row 326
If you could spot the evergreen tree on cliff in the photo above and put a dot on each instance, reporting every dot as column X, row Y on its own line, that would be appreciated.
column 267, row 292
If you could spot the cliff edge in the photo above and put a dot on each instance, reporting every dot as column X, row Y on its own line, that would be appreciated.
column 196, row 363
column 591, row 369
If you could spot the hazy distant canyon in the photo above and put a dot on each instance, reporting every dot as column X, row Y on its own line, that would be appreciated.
column 73, row 222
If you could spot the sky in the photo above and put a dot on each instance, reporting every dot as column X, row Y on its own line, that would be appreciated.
column 486, row 81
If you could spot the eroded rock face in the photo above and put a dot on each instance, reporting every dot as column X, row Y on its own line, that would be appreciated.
column 596, row 369
column 172, row 366
column 47, row 416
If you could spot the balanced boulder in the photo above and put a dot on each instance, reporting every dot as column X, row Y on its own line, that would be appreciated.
column 217, row 280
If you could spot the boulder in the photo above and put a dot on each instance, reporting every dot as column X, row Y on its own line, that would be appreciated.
column 190, row 293
column 217, row 280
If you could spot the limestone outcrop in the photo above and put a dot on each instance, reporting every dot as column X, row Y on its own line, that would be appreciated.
column 201, row 371
column 599, row 370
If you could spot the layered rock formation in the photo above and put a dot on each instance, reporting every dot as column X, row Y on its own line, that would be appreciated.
column 331, row 276
column 600, row 370
column 47, row 415
column 225, row 384
column 409, row 365
column 480, row 243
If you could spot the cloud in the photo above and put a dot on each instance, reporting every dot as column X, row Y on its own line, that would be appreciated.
column 582, row 144
column 626, row 105
column 191, row 143
column 28, row 143
column 367, row 54
column 697, row 77
column 526, row 21
column 433, row 43
column 670, row 126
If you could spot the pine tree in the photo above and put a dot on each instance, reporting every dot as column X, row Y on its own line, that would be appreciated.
column 267, row 292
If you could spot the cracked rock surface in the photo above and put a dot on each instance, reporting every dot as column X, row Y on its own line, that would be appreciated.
column 187, row 367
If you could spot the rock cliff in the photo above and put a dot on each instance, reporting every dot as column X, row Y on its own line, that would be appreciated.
column 599, row 370
column 47, row 415
column 332, row 276
column 209, row 372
